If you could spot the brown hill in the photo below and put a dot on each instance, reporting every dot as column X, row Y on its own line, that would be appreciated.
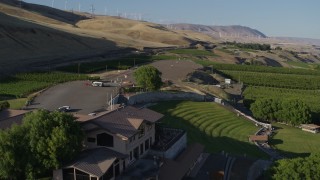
column 221, row 31
column 33, row 35
column 26, row 44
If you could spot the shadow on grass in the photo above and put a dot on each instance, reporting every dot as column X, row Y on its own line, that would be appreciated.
column 216, row 144
column 276, row 141
column 56, row 46
column 288, row 154
column 213, row 144
column 276, row 127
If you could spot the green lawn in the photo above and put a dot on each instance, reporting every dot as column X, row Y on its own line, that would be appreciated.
column 17, row 103
column 299, row 64
column 23, row 84
column 294, row 142
column 211, row 125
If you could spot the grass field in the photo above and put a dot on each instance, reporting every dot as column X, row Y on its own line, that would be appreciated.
column 211, row 125
column 299, row 64
column 17, row 103
column 26, row 83
column 294, row 142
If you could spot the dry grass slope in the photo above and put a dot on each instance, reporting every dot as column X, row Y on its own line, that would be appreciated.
column 38, row 35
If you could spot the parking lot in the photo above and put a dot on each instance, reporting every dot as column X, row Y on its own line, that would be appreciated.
column 79, row 95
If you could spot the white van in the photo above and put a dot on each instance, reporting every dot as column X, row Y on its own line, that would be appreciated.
column 97, row 84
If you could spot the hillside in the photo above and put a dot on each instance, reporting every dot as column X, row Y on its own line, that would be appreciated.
column 315, row 42
column 38, row 36
column 34, row 37
column 26, row 44
column 220, row 31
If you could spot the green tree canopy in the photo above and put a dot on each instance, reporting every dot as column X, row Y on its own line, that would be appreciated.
column 290, row 111
column 148, row 77
column 15, row 159
column 43, row 142
column 4, row 105
column 297, row 168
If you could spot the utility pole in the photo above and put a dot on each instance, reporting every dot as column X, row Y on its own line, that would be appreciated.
column 79, row 69
column 20, row 3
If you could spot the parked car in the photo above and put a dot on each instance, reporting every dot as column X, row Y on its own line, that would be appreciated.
column 64, row 108
column 97, row 84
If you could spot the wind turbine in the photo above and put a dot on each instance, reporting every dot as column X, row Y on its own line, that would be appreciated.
column 105, row 11
column 92, row 9
column 52, row 3
column 65, row 5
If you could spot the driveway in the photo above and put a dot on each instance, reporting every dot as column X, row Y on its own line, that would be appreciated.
column 79, row 95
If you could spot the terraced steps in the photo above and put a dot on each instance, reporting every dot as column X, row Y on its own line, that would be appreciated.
column 212, row 125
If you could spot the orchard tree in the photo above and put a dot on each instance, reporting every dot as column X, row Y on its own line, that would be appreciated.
column 294, row 112
column 148, row 77
column 291, row 111
column 264, row 109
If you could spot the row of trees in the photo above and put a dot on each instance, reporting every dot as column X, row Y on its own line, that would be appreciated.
column 25, row 83
column 43, row 142
column 289, row 111
column 297, row 168
column 264, row 69
column 309, row 97
column 290, row 81
column 254, row 46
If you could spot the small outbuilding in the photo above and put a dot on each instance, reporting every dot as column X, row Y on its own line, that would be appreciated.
column 259, row 138
column 227, row 81
column 310, row 128
column 93, row 164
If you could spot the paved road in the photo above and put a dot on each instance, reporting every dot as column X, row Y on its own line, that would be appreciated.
column 80, row 95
